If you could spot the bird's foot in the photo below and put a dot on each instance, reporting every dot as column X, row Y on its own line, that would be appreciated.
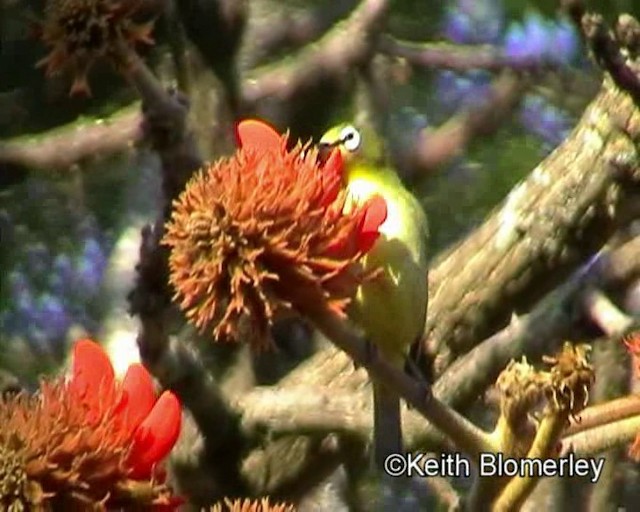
column 412, row 369
column 370, row 354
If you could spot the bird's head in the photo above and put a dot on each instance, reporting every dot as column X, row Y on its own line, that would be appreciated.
column 346, row 138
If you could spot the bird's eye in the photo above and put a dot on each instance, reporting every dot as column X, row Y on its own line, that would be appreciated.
column 350, row 138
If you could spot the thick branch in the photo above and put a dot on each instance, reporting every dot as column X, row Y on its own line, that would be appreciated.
column 60, row 149
column 565, row 210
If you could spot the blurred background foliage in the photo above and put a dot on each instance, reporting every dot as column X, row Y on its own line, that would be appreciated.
column 58, row 230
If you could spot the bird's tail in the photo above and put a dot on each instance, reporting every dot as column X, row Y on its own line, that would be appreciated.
column 387, row 429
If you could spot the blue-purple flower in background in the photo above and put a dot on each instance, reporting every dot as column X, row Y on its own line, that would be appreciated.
column 539, row 39
column 461, row 90
column 544, row 120
column 50, row 289
column 474, row 21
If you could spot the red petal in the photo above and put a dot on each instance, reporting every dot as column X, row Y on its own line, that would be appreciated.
column 375, row 214
column 334, row 164
column 156, row 435
column 256, row 134
column 332, row 177
column 92, row 377
column 138, row 397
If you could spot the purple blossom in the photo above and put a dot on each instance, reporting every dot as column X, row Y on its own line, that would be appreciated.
column 62, row 275
column 564, row 42
column 456, row 90
column 544, row 120
column 52, row 317
column 90, row 266
column 542, row 40
column 474, row 21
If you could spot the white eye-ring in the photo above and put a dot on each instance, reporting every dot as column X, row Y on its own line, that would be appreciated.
column 350, row 138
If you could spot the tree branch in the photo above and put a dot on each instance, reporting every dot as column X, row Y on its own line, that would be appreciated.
column 437, row 147
column 457, row 57
column 560, row 215
column 344, row 47
column 61, row 148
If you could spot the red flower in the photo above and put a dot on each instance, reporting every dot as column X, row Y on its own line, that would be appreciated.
column 256, row 135
column 153, row 426
column 88, row 442
column 267, row 231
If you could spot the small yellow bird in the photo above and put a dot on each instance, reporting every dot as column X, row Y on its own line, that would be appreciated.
column 392, row 309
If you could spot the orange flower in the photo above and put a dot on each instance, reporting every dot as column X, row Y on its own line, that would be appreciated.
column 152, row 426
column 90, row 441
column 263, row 232
column 81, row 32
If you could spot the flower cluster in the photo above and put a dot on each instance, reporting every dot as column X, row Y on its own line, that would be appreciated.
column 564, row 388
column 266, row 231
column 474, row 21
column 555, row 42
column 48, row 293
column 81, row 32
column 88, row 442
column 547, row 122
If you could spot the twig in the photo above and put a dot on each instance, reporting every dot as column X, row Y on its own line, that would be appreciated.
column 606, row 51
column 464, row 434
column 296, row 30
column 609, row 412
column 604, row 46
column 605, row 314
column 437, row 147
column 594, row 441
column 216, row 27
column 457, row 57
column 341, row 49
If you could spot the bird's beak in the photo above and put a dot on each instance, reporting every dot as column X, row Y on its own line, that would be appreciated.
column 324, row 150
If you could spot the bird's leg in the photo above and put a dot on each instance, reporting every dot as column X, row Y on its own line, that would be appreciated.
column 413, row 370
column 370, row 354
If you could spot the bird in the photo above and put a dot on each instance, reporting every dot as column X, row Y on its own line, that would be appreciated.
column 391, row 309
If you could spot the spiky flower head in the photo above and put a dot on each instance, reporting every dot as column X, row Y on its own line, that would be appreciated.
column 522, row 390
column 247, row 505
column 88, row 443
column 266, row 231
column 571, row 377
column 81, row 32
column 530, row 392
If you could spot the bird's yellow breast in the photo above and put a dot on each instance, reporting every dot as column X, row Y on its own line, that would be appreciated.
column 392, row 309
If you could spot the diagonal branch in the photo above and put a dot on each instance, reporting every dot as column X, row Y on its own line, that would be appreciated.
column 343, row 48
